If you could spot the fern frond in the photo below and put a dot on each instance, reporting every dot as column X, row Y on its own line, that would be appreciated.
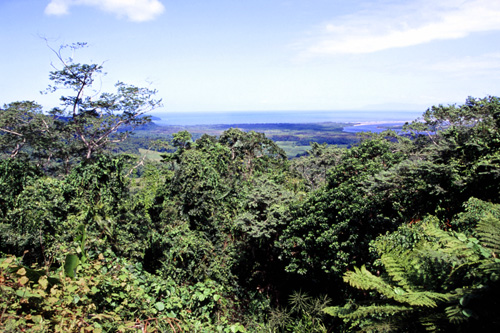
column 351, row 313
column 362, row 279
column 423, row 299
column 449, row 243
column 490, row 268
column 380, row 327
column 454, row 314
column 429, row 323
column 395, row 269
column 459, row 272
column 488, row 230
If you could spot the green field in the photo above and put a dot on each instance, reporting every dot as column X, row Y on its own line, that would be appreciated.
column 150, row 154
column 294, row 139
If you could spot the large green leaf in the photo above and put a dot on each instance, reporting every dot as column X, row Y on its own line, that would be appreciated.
column 70, row 265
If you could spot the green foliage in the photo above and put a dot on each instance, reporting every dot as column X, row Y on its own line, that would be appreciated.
column 73, row 260
column 265, row 209
column 330, row 231
column 182, row 140
column 228, row 229
column 305, row 314
column 444, row 281
column 96, row 117
column 252, row 152
column 87, row 122
column 107, row 295
column 25, row 130
column 70, row 265
column 466, row 138
column 182, row 254
column 45, row 213
column 14, row 176
column 98, row 198
column 315, row 165
column 388, row 180
column 475, row 210
column 35, row 220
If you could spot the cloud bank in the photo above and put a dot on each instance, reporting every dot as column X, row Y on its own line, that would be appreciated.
column 134, row 10
column 402, row 25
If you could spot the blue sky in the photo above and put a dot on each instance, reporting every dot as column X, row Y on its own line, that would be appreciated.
column 240, row 55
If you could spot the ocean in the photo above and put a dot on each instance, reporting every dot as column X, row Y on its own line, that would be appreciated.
column 282, row 117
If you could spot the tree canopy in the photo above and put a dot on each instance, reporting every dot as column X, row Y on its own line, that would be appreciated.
column 399, row 232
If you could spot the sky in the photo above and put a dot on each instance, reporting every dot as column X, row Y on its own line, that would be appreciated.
column 240, row 55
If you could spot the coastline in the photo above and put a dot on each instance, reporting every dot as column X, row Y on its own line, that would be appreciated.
column 382, row 122
column 280, row 117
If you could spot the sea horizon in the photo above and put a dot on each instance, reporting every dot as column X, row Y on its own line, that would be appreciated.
column 282, row 117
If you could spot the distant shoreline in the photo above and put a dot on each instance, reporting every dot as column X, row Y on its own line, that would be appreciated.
column 381, row 122
column 281, row 117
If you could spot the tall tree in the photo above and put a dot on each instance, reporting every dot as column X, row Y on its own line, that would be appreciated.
column 98, row 119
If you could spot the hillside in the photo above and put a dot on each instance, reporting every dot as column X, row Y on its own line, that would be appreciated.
column 225, row 233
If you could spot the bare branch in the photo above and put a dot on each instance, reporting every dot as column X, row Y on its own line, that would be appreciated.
column 141, row 162
column 11, row 132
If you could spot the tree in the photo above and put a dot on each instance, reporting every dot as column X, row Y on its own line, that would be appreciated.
column 252, row 151
column 98, row 119
column 331, row 229
column 314, row 166
column 22, row 126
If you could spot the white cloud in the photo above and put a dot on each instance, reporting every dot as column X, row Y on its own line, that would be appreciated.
column 486, row 64
column 57, row 7
column 396, row 25
column 134, row 10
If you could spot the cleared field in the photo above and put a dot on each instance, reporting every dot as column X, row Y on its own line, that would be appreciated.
column 292, row 149
column 294, row 139
column 150, row 154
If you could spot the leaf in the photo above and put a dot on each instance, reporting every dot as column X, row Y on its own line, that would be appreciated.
column 70, row 265
column 21, row 271
column 43, row 282
column 23, row 280
column 9, row 260
column 160, row 306
column 468, row 313
column 21, row 293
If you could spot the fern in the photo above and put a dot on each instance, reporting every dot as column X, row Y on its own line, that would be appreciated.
column 441, row 280
column 448, row 242
column 423, row 299
column 395, row 269
column 350, row 312
column 454, row 314
column 381, row 327
column 488, row 230
column 362, row 279
column 491, row 269
column 431, row 323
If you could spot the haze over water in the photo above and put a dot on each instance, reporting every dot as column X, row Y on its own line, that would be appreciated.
column 263, row 117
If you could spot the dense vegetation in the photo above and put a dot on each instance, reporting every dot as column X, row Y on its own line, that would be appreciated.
column 294, row 139
column 226, row 234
